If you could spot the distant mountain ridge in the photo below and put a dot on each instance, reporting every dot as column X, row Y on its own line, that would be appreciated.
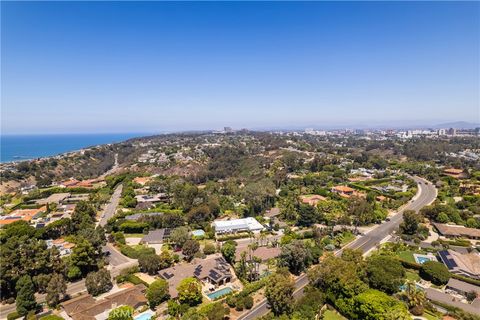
column 457, row 125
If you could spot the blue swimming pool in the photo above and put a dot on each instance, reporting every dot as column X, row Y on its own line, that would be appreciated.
column 145, row 315
column 220, row 293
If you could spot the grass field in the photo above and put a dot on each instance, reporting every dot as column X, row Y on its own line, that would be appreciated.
column 407, row 256
column 430, row 316
column 331, row 315
column 412, row 276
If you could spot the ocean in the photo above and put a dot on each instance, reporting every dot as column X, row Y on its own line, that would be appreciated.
column 26, row 147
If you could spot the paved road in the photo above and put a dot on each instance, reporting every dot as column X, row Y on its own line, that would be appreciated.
column 117, row 260
column 111, row 206
column 426, row 194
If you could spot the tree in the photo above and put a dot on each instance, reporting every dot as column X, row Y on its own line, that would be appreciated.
column 190, row 248
column 121, row 313
column 385, row 273
column 216, row 311
column 25, row 300
column 376, row 305
column 279, row 292
column 411, row 221
column 190, row 291
column 209, row 248
column 179, row 236
column 307, row 215
column 98, row 282
column 56, row 290
column 228, row 251
column 84, row 256
column 414, row 298
column 166, row 259
column 295, row 256
column 157, row 292
column 149, row 263
column 436, row 272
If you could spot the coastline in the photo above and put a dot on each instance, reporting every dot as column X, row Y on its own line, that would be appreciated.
column 21, row 148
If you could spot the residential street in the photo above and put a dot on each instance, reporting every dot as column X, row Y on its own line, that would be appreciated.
column 426, row 194
column 111, row 206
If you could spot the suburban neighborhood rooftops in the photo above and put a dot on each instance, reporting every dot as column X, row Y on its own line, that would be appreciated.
column 342, row 189
column 21, row 214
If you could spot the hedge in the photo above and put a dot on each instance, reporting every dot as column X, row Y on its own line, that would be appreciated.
column 13, row 315
column 130, row 278
column 134, row 253
column 466, row 279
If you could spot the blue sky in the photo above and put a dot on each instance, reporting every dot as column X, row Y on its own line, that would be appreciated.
column 155, row 66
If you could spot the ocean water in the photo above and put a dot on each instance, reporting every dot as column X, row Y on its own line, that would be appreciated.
column 26, row 147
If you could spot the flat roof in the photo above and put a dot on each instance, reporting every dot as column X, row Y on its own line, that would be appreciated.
column 237, row 224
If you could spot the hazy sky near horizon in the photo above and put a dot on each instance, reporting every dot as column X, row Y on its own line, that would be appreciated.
column 155, row 66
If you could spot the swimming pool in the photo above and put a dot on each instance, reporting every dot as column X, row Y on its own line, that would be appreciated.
column 421, row 258
column 145, row 315
column 220, row 293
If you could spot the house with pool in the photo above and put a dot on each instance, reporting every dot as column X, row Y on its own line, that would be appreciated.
column 213, row 272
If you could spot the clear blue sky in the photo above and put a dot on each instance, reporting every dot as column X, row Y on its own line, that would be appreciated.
column 154, row 66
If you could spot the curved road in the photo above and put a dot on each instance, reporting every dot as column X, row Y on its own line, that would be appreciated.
column 426, row 194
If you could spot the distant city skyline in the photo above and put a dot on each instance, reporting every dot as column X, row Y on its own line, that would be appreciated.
column 97, row 67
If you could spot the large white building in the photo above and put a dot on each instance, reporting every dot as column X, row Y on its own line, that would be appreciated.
column 237, row 225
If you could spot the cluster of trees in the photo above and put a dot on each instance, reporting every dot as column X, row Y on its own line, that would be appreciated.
column 27, row 265
column 358, row 288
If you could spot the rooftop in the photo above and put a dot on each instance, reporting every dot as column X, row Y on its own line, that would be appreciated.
column 249, row 223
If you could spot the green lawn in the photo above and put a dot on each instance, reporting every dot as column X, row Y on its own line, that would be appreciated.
column 406, row 255
column 134, row 235
column 331, row 315
column 430, row 316
column 347, row 237
column 412, row 276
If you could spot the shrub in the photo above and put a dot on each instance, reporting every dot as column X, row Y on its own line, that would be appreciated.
column 51, row 317
column 435, row 272
column 248, row 302
column 13, row 315
column 209, row 248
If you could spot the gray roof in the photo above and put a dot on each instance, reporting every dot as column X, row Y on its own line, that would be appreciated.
column 136, row 216
column 462, row 286
column 445, row 298
column 156, row 236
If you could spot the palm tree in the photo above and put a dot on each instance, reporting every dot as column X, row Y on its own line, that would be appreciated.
column 415, row 298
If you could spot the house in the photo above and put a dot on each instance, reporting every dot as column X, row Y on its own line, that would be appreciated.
column 435, row 295
column 156, row 236
column 462, row 287
column 467, row 264
column 237, row 225
column 272, row 212
column 138, row 216
column 343, row 191
column 213, row 270
column 312, row 200
column 454, row 231
column 159, row 197
column 74, row 198
column 454, row 173
column 22, row 214
column 64, row 247
column 53, row 198
column 85, row 307
column 264, row 253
